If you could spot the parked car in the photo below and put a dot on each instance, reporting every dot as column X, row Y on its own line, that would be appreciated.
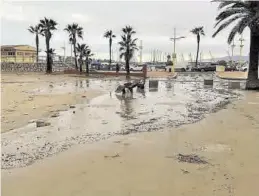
column 160, row 67
column 180, row 67
column 137, row 68
column 206, row 67
column 244, row 67
column 230, row 68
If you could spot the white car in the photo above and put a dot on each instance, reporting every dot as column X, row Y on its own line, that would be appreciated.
column 244, row 68
column 137, row 68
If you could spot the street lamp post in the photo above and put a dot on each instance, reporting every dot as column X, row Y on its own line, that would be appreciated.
column 232, row 52
column 140, row 52
column 64, row 48
column 241, row 48
column 174, row 39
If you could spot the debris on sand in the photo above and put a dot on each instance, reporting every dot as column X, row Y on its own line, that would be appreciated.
column 114, row 156
column 41, row 123
column 72, row 106
column 191, row 158
column 185, row 171
column 55, row 115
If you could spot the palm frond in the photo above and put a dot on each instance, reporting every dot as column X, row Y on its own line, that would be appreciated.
column 246, row 11
column 233, row 32
column 225, row 24
column 122, row 55
column 31, row 29
column 229, row 12
column 224, row 4
column 245, row 22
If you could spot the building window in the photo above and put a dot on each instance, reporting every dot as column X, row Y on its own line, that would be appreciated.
column 3, row 53
column 11, row 53
column 20, row 53
column 27, row 54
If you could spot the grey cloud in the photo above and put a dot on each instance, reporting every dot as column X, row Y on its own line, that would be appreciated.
column 153, row 21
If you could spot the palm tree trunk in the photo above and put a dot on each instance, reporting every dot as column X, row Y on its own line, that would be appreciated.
column 74, row 45
column 127, row 59
column 197, row 55
column 49, row 69
column 252, row 79
column 110, row 48
column 127, row 67
column 37, row 48
column 80, row 65
column 87, row 66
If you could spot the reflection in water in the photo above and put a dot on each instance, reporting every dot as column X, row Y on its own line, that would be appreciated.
column 127, row 110
column 126, row 105
column 81, row 84
column 87, row 82
column 153, row 85
column 142, row 91
column 169, row 86
column 153, row 89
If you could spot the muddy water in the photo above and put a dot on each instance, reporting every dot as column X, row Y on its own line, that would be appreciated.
column 173, row 103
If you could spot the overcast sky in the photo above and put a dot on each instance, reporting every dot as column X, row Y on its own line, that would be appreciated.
column 153, row 22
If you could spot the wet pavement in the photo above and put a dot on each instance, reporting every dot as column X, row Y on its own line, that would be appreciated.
column 175, row 102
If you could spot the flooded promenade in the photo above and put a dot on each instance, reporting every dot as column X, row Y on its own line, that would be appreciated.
column 111, row 145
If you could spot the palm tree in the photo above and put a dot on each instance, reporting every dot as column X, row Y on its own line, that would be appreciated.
column 47, row 26
column 88, row 54
column 37, row 31
column 51, row 54
column 109, row 35
column 198, row 31
column 74, row 31
column 82, row 51
column 127, row 46
column 245, row 14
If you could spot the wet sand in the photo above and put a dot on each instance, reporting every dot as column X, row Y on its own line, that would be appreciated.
column 238, row 75
column 22, row 100
column 145, row 163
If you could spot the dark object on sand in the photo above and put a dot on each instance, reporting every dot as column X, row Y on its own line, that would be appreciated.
column 129, row 86
column 191, row 158
column 42, row 123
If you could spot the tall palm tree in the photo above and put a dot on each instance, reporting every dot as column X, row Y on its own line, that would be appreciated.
column 109, row 35
column 37, row 31
column 88, row 54
column 198, row 31
column 48, row 26
column 51, row 54
column 245, row 14
column 127, row 46
column 81, row 49
column 74, row 31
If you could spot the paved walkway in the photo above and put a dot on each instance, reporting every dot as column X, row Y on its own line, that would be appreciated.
column 159, row 74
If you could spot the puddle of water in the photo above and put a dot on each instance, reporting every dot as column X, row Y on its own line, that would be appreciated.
column 173, row 103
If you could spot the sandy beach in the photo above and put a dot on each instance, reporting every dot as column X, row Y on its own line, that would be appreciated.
column 146, row 163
